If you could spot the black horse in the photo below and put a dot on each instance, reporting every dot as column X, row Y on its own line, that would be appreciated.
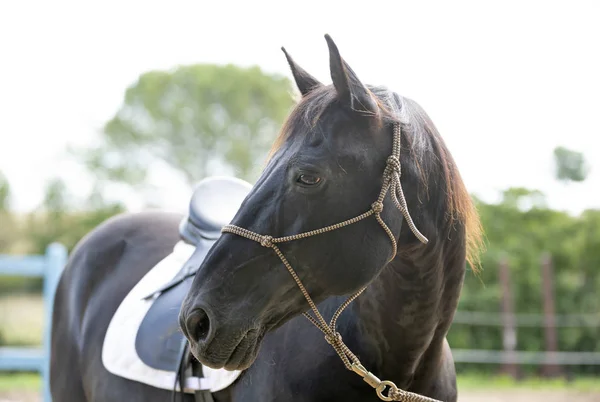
column 244, row 309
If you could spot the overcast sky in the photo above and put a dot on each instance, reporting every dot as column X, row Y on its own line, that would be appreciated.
column 504, row 81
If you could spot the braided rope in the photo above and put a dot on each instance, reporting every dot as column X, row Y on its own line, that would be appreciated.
column 391, row 183
column 397, row 394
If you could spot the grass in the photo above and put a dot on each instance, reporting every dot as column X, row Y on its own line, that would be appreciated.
column 21, row 324
column 22, row 320
column 32, row 382
column 477, row 381
column 20, row 382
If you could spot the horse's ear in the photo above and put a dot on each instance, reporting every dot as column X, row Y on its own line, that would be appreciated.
column 349, row 88
column 304, row 80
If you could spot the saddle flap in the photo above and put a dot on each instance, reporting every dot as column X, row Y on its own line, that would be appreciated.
column 159, row 338
column 148, row 327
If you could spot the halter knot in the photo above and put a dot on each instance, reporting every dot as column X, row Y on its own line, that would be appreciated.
column 393, row 164
column 377, row 207
column 335, row 337
column 266, row 241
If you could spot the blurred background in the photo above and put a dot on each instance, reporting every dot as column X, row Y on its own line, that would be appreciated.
column 119, row 106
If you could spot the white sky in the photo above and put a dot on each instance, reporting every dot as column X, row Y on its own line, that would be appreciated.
column 504, row 81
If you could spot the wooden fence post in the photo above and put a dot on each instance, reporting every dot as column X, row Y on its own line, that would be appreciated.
column 550, row 368
column 509, row 334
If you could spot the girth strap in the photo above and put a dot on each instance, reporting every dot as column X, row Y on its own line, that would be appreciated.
column 188, row 361
column 201, row 395
column 180, row 377
column 391, row 182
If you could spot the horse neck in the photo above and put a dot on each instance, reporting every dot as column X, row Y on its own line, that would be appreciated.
column 404, row 315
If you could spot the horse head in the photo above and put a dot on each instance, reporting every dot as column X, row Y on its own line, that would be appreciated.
column 328, row 165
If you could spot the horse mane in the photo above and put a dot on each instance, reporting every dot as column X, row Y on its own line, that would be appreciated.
column 424, row 139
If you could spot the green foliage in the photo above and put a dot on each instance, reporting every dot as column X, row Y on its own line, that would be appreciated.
column 47, row 226
column 198, row 119
column 7, row 223
column 43, row 229
column 521, row 228
column 55, row 200
column 56, row 220
column 208, row 119
column 483, row 381
column 4, row 193
column 22, row 321
column 570, row 165
column 20, row 382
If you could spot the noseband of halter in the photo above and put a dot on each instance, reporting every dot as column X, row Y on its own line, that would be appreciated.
column 391, row 183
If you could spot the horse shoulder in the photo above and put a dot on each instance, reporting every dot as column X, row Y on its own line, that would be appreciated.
column 101, row 269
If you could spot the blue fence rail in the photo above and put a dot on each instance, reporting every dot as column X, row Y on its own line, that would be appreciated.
column 49, row 267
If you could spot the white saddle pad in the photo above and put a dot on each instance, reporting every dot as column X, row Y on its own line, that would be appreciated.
column 118, row 352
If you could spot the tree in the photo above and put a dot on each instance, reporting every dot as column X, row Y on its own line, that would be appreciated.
column 55, row 199
column 200, row 119
column 4, row 193
column 523, row 198
column 59, row 220
column 570, row 165
column 522, row 228
column 7, row 224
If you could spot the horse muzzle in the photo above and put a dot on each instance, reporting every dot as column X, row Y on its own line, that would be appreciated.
column 220, row 346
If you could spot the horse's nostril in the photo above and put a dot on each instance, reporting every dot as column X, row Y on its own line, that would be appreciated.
column 198, row 325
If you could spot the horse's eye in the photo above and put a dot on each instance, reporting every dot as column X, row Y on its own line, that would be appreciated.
column 308, row 179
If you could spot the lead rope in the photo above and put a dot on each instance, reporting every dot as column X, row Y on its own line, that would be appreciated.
column 391, row 182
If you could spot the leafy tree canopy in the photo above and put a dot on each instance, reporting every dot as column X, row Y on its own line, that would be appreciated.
column 4, row 193
column 570, row 165
column 200, row 119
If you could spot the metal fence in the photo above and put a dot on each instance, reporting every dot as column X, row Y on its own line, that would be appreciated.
column 511, row 356
column 48, row 267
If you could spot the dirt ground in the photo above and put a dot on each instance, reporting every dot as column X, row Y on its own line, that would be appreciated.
column 528, row 396
column 465, row 396
column 27, row 396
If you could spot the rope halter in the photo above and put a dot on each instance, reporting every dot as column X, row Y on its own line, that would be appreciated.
column 391, row 183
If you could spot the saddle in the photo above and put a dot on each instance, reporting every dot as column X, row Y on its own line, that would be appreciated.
column 213, row 205
column 147, row 320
